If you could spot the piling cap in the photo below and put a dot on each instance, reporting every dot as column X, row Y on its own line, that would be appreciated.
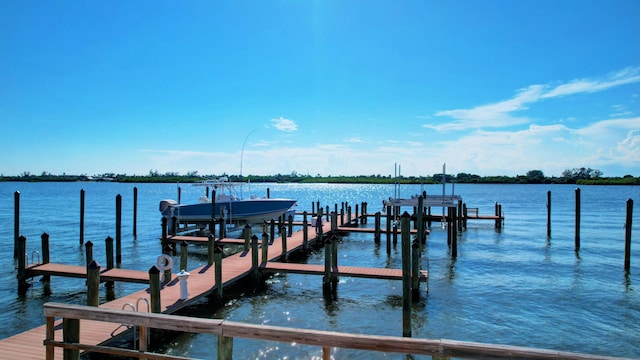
column 182, row 273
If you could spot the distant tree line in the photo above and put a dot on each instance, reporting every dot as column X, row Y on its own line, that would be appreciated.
column 585, row 176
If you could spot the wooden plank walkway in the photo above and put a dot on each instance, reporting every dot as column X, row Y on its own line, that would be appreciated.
column 349, row 271
column 29, row 344
column 369, row 230
column 203, row 240
column 115, row 274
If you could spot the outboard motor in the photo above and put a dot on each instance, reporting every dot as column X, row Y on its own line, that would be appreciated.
column 165, row 205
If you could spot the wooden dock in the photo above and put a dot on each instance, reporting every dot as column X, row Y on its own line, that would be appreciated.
column 349, row 271
column 115, row 274
column 29, row 344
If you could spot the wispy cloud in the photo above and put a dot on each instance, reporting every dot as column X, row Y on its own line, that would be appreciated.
column 353, row 140
column 285, row 125
column 501, row 114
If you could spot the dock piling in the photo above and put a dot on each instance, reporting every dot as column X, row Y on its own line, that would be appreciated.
column 265, row 247
column 549, row 213
column 16, row 225
column 577, row 237
column 154, row 289
column 627, row 238
column 71, row 334
column 254, row 258
column 305, row 233
column 285, row 255
column 109, row 250
column 119, row 229
column 211, row 243
column 377, row 225
column 406, row 274
column 82, row 193
column 88, row 249
column 45, row 253
column 184, row 252
column 415, row 269
column 22, row 263
column 326, row 279
column 93, row 284
column 218, row 271
column 135, row 211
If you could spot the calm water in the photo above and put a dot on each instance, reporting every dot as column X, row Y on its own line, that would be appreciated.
column 511, row 287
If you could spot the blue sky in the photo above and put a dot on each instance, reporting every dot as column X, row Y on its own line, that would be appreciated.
column 493, row 87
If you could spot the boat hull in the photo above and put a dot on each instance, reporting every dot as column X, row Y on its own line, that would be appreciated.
column 249, row 210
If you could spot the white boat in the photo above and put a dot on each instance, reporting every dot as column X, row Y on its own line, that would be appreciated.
column 227, row 204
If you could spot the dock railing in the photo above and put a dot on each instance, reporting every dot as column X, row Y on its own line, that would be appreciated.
column 227, row 330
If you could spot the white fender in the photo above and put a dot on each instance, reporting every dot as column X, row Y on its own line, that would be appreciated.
column 165, row 262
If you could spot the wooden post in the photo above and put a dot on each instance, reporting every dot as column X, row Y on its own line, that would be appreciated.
column 179, row 195
column 211, row 243
column 454, row 232
column 225, row 347
column 16, row 225
column 305, row 234
column 135, row 211
column 71, row 334
column 389, row 221
column 272, row 231
column 154, row 289
column 394, row 231
column 174, row 225
column 459, row 217
column 319, row 222
column 464, row 215
column 357, row 216
column 406, row 274
column 254, row 257
column 218, row 271
column 283, row 234
column 326, row 279
column 415, row 269
column 88, row 248
column 82, row 216
column 349, row 215
column 290, row 225
column 420, row 221
column 22, row 263
column 334, row 222
column 93, row 284
column 118, row 229
column 246, row 232
column 184, row 252
column 627, row 237
column 50, row 336
column 109, row 250
column 164, row 231
column 44, row 240
column 265, row 248
column 334, row 263
column 577, row 242
column 496, row 212
column 389, row 242
column 268, row 193
column 548, row 214
column 377, row 225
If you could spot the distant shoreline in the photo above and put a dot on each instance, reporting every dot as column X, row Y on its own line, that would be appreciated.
column 372, row 179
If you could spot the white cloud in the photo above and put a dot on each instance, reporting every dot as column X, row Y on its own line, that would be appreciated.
column 500, row 114
column 353, row 140
column 285, row 125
